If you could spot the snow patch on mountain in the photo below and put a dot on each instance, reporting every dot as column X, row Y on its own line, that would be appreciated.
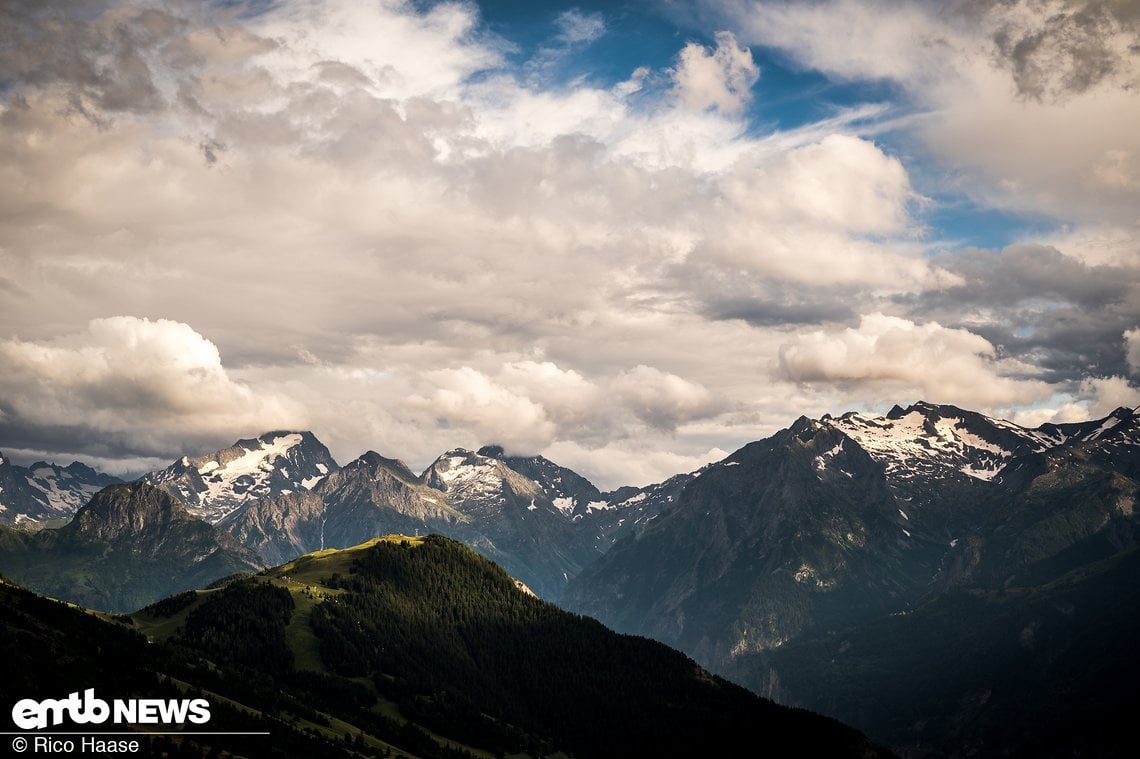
column 43, row 491
column 564, row 504
column 924, row 441
column 215, row 485
column 821, row 460
column 466, row 475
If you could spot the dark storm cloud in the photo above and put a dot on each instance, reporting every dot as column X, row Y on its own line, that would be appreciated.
column 1023, row 272
column 96, row 54
column 1060, row 52
column 1035, row 304
column 1065, row 348
column 19, row 433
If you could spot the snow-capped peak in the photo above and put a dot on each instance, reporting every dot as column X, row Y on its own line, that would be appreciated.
column 214, row 485
column 928, row 440
column 42, row 491
column 465, row 474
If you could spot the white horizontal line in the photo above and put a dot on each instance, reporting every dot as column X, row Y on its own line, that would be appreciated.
column 135, row 732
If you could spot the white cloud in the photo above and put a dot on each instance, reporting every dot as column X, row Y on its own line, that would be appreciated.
column 663, row 400
column 158, row 383
column 627, row 463
column 1132, row 350
column 1103, row 395
column 392, row 234
column 404, row 53
column 528, row 405
column 467, row 399
column 850, row 39
column 889, row 356
column 1006, row 86
column 809, row 214
column 575, row 27
column 721, row 78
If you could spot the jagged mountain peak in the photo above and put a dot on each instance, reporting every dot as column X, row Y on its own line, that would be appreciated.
column 275, row 463
column 896, row 412
column 32, row 495
column 131, row 544
column 461, row 465
column 806, row 429
column 373, row 461
column 927, row 440
column 127, row 509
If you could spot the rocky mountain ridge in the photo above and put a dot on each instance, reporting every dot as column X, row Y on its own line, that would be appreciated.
column 40, row 493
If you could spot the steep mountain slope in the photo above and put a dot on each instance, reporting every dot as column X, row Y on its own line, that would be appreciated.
column 370, row 496
column 42, row 492
column 518, row 523
column 782, row 535
column 426, row 627
column 131, row 544
column 274, row 464
column 605, row 516
column 1047, row 671
column 780, row 558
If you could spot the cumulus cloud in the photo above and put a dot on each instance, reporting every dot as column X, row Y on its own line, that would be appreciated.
column 720, row 78
column 148, row 386
column 887, row 355
column 374, row 213
column 529, row 405
column 1007, row 86
column 1103, row 395
column 466, row 398
column 662, row 400
column 1132, row 350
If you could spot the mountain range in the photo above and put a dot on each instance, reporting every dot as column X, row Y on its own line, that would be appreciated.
column 801, row 566
column 845, row 564
column 282, row 494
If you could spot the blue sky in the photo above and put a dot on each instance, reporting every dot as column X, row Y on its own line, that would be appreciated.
column 787, row 96
column 631, row 236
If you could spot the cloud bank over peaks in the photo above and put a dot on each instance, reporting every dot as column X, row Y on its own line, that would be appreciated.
column 394, row 224
column 529, row 405
column 887, row 355
column 130, row 385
